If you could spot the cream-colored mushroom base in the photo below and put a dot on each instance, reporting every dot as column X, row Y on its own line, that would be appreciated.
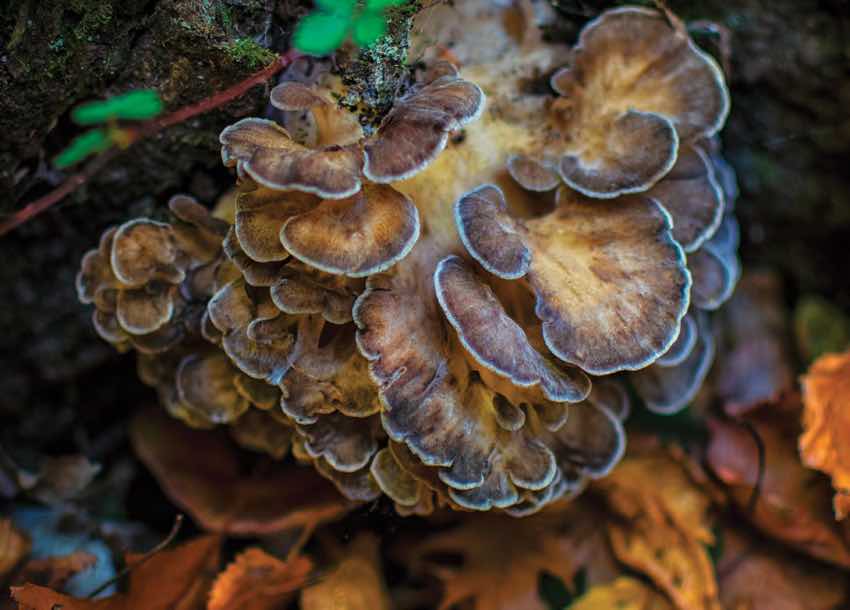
column 449, row 310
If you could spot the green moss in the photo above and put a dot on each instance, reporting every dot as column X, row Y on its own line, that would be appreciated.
column 245, row 51
column 820, row 327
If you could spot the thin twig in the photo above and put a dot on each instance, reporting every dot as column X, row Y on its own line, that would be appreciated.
column 178, row 522
column 148, row 129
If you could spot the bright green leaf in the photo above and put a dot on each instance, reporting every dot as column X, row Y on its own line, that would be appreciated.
column 134, row 105
column 368, row 28
column 320, row 34
column 380, row 5
column 337, row 7
column 82, row 146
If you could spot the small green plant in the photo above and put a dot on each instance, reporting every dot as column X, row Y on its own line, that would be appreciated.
column 325, row 29
column 137, row 105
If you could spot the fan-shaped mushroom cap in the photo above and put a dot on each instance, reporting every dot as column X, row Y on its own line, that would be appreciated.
column 668, row 389
column 205, row 384
column 141, row 311
column 347, row 444
column 144, row 250
column 402, row 487
column 435, row 404
column 334, row 126
column 611, row 394
column 692, row 197
column 715, row 274
column 636, row 87
column 358, row 486
column 611, row 283
column 264, row 151
column 260, row 216
column 197, row 233
column 532, row 175
column 683, row 345
column 417, row 128
column 357, row 236
column 259, row 431
column 300, row 289
column 495, row 340
column 257, row 392
column 255, row 274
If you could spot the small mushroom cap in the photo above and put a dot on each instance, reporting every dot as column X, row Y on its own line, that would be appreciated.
column 637, row 85
column 144, row 310
column 260, row 215
column 495, row 340
column 160, row 340
column 395, row 481
column 301, row 293
column 265, row 152
column 259, row 393
column 292, row 95
column 435, row 404
column 667, row 390
column 197, row 233
column 692, row 197
column 255, row 274
column 490, row 234
column 417, row 128
column 357, row 486
column 259, row 431
column 144, row 250
column 358, row 236
column 683, row 345
column 592, row 441
column 205, row 384
column 715, row 274
column 532, row 175
column 334, row 125
column 610, row 393
column 347, row 444
column 610, row 281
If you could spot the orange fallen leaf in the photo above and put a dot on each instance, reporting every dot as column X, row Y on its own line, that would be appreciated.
column 503, row 557
column 201, row 472
column 178, row 579
column 664, row 526
column 14, row 547
column 623, row 594
column 258, row 581
column 357, row 583
column 54, row 572
column 759, row 576
column 793, row 503
column 826, row 424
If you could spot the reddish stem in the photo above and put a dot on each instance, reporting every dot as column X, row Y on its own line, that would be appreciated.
column 151, row 127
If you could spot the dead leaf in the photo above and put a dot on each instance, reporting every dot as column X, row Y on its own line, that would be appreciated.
column 793, row 503
column 754, row 364
column 54, row 572
column 623, row 594
column 357, row 583
column 664, row 526
column 179, row 579
column 258, row 581
column 758, row 576
column 503, row 557
column 201, row 472
column 826, row 424
column 14, row 547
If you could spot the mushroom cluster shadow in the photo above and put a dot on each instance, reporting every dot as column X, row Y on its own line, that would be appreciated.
column 457, row 306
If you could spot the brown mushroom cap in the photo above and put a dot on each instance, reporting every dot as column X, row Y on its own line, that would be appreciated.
column 636, row 87
column 260, row 215
column 715, row 274
column 264, row 151
column 684, row 344
column 307, row 291
column 347, row 444
column 692, row 197
column 205, row 384
column 144, row 250
column 495, row 340
column 669, row 389
column 417, row 128
column 395, row 481
column 610, row 281
column 259, row 431
column 591, row 442
column 334, row 126
column 357, row 236
column 144, row 310
column 435, row 404
column 531, row 174
column 255, row 273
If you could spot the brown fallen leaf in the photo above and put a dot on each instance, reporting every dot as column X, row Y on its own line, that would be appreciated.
column 754, row 364
column 54, row 572
column 663, row 526
column 14, row 547
column 793, row 502
column 622, row 594
column 256, row 580
column 201, row 472
column 178, row 579
column 759, row 576
column 503, row 557
column 825, row 442
column 357, row 583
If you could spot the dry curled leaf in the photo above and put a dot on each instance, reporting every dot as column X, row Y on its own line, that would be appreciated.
column 503, row 557
column 178, row 579
column 200, row 471
column 792, row 502
column 625, row 593
column 256, row 580
column 665, row 526
column 356, row 583
column 826, row 424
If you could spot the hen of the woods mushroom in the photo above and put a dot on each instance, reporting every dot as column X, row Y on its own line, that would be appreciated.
column 448, row 308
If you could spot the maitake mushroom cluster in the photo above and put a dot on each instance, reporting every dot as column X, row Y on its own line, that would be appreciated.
column 449, row 310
